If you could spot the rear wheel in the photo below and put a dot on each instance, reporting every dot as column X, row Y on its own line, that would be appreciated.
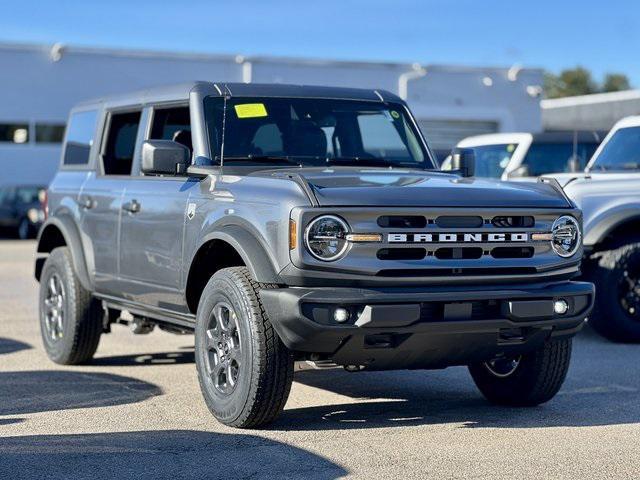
column 524, row 380
column 70, row 318
column 616, row 314
column 244, row 369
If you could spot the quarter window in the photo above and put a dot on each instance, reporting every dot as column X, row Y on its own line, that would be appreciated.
column 121, row 143
column 80, row 134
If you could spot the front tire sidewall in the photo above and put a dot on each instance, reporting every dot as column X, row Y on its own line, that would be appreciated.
column 226, row 408
column 58, row 350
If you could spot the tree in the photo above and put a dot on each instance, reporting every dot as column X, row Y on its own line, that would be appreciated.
column 615, row 82
column 570, row 82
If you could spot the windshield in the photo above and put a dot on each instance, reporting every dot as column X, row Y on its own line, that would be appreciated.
column 544, row 158
column 621, row 152
column 491, row 160
column 313, row 132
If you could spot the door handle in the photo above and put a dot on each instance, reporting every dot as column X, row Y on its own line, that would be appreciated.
column 132, row 207
column 87, row 203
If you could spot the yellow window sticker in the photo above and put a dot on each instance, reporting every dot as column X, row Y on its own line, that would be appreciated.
column 511, row 148
column 395, row 114
column 251, row 110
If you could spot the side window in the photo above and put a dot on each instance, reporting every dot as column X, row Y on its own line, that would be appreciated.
column 80, row 134
column 120, row 143
column 172, row 124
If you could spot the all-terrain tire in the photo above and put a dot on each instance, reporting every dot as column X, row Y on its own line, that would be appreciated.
column 76, row 338
column 536, row 379
column 609, row 317
column 263, row 364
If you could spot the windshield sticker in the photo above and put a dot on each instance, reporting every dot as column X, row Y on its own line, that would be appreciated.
column 395, row 114
column 250, row 110
column 511, row 148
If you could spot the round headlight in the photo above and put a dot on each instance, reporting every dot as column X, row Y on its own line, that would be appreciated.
column 565, row 236
column 326, row 237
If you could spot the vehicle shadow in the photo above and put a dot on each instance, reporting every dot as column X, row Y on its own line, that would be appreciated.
column 7, row 345
column 43, row 391
column 173, row 454
column 602, row 388
column 164, row 358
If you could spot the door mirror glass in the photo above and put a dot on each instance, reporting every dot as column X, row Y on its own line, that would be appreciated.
column 164, row 157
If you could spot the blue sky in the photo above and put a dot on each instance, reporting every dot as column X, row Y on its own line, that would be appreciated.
column 603, row 36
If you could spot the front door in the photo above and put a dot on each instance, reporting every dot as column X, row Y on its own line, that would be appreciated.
column 151, row 237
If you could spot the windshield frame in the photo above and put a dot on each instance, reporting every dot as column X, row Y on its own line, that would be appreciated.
column 217, row 154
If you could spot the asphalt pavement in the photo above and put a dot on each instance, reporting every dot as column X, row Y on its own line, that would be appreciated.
column 136, row 412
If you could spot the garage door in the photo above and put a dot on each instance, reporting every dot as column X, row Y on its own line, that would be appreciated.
column 445, row 134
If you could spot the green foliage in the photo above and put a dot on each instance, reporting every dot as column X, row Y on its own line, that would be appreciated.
column 578, row 81
column 615, row 82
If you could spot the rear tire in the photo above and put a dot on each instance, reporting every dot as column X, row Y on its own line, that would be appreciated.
column 528, row 380
column 616, row 314
column 244, row 369
column 70, row 318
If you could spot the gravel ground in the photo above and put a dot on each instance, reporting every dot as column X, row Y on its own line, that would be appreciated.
column 136, row 412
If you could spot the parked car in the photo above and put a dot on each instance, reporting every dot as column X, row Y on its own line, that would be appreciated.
column 524, row 156
column 22, row 209
column 608, row 192
column 285, row 223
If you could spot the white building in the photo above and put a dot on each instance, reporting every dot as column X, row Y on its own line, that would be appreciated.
column 39, row 84
column 599, row 111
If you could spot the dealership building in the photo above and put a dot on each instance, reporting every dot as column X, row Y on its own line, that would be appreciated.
column 40, row 83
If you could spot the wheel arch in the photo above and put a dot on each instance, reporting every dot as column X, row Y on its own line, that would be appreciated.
column 612, row 228
column 60, row 232
column 230, row 246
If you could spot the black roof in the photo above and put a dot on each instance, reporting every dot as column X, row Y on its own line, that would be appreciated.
column 181, row 91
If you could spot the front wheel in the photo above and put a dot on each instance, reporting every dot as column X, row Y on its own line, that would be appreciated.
column 244, row 369
column 525, row 380
column 616, row 314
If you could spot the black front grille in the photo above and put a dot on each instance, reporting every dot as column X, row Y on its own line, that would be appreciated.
column 459, row 222
column 402, row 221
column 513, row 221
column 401, row 253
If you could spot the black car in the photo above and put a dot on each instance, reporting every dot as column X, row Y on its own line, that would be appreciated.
column 22, row 209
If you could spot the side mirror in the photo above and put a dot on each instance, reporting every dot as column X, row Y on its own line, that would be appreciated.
column 164, row 157
column 464, row 161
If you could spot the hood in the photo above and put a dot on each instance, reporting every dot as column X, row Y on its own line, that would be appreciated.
column 345, row 186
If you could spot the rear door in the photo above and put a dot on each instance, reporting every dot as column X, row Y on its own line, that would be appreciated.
column 153, row 219
column 102, row 193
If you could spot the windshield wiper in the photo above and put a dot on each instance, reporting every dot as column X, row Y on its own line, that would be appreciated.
column 264, row 159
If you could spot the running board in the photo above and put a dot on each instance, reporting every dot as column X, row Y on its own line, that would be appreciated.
column 153, row 313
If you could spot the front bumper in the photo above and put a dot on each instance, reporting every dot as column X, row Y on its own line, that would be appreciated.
column 425, row 328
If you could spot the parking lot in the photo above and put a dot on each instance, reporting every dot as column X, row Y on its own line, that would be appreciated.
column 137, row 412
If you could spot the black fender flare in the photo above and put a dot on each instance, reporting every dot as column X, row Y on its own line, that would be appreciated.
column 69, row 231
column 253, row 253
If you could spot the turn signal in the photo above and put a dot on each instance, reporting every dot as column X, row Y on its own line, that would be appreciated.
column 293, row 234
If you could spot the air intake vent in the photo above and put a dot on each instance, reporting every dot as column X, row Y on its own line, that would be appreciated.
column 512, row 252
column 401, row 253
column 458, row 253
column 459, row 222
column 402, row 221
column 524, row 221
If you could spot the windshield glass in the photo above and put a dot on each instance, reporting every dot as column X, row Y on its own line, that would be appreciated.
column 621, row 152
column 491, row 160
column 313, row 132
column 544, row 158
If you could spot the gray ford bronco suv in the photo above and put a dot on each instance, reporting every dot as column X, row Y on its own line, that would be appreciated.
column 296, row 223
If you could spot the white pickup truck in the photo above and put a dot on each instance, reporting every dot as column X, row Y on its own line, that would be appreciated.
column 608, row 192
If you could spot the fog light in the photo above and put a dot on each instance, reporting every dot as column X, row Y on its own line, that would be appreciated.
column 560, row 307
column 341, row 315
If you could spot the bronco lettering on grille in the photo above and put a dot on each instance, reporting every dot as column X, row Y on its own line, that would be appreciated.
column 457, row 237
